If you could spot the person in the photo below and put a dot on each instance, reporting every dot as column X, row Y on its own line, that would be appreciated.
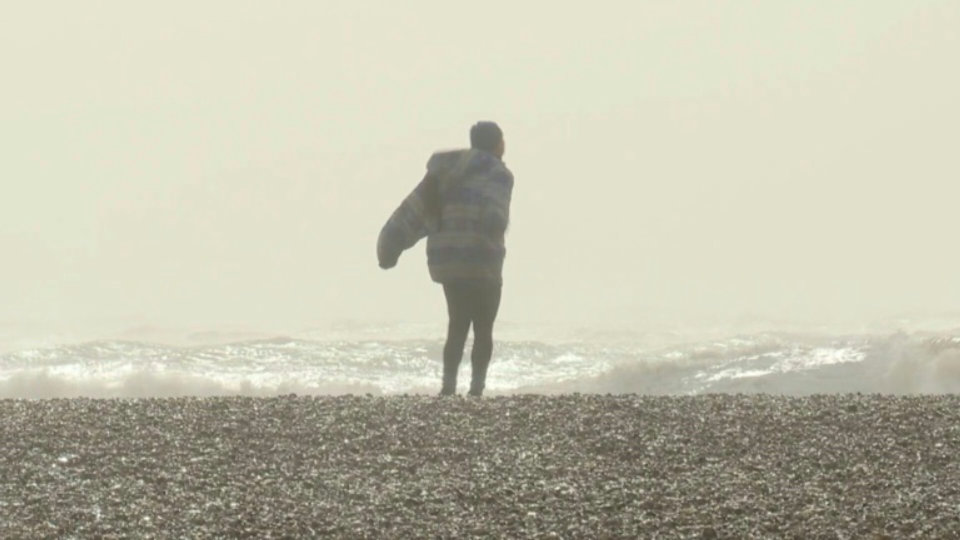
column 462, row 206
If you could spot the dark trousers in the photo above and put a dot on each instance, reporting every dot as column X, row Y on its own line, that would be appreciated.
column 476, row 303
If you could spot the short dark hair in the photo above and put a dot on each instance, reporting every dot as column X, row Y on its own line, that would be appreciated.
column 486, row 136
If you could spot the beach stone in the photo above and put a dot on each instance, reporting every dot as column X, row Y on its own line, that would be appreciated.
column 529, row 466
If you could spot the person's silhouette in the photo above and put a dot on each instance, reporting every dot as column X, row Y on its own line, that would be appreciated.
column 462, row 206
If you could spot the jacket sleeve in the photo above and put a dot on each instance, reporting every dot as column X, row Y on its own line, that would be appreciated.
column 416, row 217
column 495, row 216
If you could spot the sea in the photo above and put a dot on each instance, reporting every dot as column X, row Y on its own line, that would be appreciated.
column 390, row 358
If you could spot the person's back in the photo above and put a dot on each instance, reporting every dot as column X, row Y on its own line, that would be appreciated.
column 473, row 195
column 463, row 207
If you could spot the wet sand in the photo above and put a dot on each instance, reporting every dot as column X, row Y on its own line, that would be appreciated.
column 569, row 466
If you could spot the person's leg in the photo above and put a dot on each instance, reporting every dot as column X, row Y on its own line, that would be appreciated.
column 486, row 303
column 458, row 326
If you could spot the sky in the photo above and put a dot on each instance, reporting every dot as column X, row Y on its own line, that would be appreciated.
column 227, row 162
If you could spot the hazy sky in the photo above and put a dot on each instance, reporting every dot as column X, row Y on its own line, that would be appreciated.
column 211, row 162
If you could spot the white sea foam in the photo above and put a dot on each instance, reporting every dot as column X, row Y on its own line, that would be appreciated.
column 764, row 362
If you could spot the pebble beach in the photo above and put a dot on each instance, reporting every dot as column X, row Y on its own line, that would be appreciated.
column 520, row 466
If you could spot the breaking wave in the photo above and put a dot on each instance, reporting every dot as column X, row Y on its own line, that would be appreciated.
column 766, row 362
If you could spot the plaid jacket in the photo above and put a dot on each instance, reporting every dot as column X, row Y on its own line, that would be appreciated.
column 462, row 206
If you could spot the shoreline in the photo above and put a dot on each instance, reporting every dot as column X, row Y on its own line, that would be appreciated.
column 561, row 466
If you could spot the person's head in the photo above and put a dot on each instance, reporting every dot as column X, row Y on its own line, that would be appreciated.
column 487, row 136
